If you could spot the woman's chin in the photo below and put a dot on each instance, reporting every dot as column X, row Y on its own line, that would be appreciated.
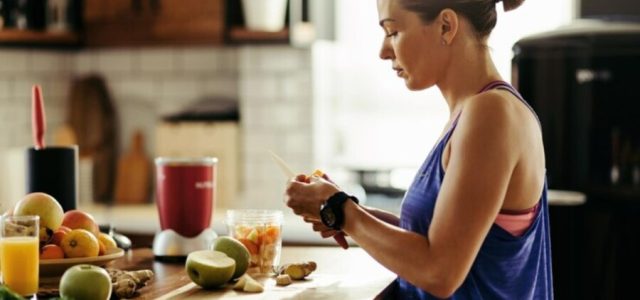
column 414, row 86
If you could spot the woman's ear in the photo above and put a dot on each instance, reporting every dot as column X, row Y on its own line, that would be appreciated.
column 449, row 26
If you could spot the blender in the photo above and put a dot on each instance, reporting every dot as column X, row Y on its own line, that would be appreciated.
column 185, row 194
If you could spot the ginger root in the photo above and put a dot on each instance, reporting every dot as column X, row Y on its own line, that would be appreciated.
column 297, row 271
column 126, row 283
column 283, row 280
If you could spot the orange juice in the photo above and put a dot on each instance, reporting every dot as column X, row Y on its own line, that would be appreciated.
column 19, row 263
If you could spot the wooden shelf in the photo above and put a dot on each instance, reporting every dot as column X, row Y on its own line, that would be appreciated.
column 243, row 35
column 16, row 37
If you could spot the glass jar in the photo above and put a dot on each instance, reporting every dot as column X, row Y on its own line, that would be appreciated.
column 260, row 230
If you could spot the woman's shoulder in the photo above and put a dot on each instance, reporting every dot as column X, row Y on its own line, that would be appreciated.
column 487, row 108
column 491, row 108
column 496, row 116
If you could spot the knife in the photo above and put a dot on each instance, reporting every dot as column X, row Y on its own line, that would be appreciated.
column 289, row 173
column 286, row 170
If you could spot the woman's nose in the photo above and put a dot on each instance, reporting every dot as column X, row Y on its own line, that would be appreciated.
column 385, row 51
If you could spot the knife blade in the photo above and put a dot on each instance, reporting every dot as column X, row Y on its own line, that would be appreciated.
column 284, row 167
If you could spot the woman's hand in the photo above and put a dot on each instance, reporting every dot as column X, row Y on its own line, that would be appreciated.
column 305, row 195
column 322, row 229
column 326, row 232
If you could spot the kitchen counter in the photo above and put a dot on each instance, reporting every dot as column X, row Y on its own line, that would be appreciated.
column 341, row 274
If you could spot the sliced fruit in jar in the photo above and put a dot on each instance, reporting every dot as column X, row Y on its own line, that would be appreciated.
column 253, row 236
column 241, row 230
column 251, row 246
column 271, row 234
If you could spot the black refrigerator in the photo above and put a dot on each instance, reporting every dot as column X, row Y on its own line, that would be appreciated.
column 583, row 80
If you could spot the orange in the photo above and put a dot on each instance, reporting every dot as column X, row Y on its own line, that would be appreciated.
column 59, row 234
column 107, row 240
column 102, row 248
column 51, row 252
column 80, row 243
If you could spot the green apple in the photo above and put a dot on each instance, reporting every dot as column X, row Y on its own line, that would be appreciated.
column 252, row 286
column 210, row 269
column 88, row 282
column 246, row 283
column 42, row 205
column 236, row 250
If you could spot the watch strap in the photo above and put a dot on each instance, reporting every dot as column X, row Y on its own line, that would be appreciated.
column 335, row 203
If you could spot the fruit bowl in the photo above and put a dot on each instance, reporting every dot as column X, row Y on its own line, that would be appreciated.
column 56, row 267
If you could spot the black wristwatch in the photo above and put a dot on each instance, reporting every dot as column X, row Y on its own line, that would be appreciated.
column 332, row 211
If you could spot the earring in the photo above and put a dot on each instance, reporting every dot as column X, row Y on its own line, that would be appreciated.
column 443, row 42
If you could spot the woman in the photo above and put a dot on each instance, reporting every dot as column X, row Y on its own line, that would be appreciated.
column 474, row 222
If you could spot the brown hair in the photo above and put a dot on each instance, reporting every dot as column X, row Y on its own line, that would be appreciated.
column 481, row 13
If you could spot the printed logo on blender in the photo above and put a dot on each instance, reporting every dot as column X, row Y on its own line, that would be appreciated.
column 201, row 185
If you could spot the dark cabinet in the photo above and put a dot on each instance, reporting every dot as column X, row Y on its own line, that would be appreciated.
column 153, row 22
column 131, row 23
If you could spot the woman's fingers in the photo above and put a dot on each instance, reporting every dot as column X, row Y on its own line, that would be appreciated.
column 311, row 220
column 301, row 178
column 328, row 233
column 317, row 226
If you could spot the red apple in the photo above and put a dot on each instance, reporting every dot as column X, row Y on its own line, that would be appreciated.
column 76, row 219
column 59, row 234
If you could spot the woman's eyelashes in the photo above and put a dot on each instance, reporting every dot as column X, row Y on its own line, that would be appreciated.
column 389, row 33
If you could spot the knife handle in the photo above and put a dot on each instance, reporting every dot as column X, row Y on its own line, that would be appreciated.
column 37, row 117
column 341, row 240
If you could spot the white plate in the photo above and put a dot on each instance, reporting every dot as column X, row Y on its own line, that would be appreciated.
column 56, row 267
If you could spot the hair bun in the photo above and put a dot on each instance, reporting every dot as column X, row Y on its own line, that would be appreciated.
column 510, row 4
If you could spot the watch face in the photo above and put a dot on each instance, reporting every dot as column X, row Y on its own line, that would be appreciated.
column 328, row 217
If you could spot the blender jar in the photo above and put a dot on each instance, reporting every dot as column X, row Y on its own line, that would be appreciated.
column 260, row 230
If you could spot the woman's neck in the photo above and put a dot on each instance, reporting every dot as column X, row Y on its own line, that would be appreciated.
column 466, row 75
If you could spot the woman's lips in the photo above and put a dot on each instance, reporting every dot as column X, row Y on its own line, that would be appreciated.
column 399, row 72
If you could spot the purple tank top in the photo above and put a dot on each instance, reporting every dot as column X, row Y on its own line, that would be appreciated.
column 506, row 267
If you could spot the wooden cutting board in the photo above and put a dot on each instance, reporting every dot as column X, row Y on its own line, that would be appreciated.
column 133, row 176
column 352, row 274
column 92, row 116
column 320, row 286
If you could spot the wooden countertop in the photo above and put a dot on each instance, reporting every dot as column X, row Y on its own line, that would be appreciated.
column 341, row 274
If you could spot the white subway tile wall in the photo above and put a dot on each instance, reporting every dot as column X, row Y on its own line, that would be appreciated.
column 272, row 83
column 273, row 119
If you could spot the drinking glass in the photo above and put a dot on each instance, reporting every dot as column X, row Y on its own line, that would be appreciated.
column 19, row 253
